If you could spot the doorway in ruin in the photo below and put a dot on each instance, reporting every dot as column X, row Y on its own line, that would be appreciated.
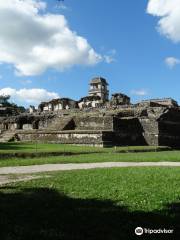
column 6, row 126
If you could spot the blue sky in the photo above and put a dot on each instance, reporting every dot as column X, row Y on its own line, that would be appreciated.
column 134, row 56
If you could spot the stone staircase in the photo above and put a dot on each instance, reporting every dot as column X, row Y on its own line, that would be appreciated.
column 7, row 136
column 62, row 123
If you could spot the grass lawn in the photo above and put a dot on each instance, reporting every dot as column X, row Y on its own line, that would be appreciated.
column 84, row 154
column 45, row 147
column 95, row 157
column 101, row 204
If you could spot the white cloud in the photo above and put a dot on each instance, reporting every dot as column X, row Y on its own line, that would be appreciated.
column 28, row 96
column 169, row 13
column 34, row 41
column 108, row 59
column 61, row 6
column 110, row 56
column 139, row 92
column 172, row 62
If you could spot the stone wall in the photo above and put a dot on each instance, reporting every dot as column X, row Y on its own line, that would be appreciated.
column 127, row 132
column 95, row 138
column 150, row 131
column 130, row 126
column 169, row 129
column 93, row 123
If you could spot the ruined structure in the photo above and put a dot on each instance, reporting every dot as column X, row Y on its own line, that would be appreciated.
column 57, row 104
column 99, row 87
column 119, row 99
column 96, row 120
column 166, row 102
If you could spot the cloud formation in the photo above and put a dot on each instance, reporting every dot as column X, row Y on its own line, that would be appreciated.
column 61, row 6
column 139, row 92
column 33, row 40
column 171, row 62
column 110, row 56
column 169, row 13
column 29, row 96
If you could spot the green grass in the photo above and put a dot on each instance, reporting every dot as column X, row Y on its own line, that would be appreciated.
column 80, row 154
column 96, row 157
column 45, row 147
column 102, row 204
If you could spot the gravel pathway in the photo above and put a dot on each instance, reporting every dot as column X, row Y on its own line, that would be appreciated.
column 76, row 166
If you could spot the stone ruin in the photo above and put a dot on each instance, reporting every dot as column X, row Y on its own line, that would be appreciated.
column 96, row 120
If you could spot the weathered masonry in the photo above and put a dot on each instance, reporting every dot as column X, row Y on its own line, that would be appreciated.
column 96, row 120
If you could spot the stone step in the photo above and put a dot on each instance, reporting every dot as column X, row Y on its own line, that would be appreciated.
column 6, row 136
column 63, row 123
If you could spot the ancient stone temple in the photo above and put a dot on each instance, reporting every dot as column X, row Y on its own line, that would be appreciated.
column 99, row 87
column 96, row 120
column 57, row 104
column 119, row 99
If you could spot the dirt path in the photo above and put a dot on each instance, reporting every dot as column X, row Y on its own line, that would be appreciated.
column 76, row 166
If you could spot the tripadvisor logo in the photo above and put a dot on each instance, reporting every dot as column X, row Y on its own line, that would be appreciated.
column 139, row 231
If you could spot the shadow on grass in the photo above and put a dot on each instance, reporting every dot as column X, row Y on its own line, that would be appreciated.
column 44, row 214
column 16, row 146
column 15, row 150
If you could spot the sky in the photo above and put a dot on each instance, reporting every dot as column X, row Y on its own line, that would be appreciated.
column 51, row 48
